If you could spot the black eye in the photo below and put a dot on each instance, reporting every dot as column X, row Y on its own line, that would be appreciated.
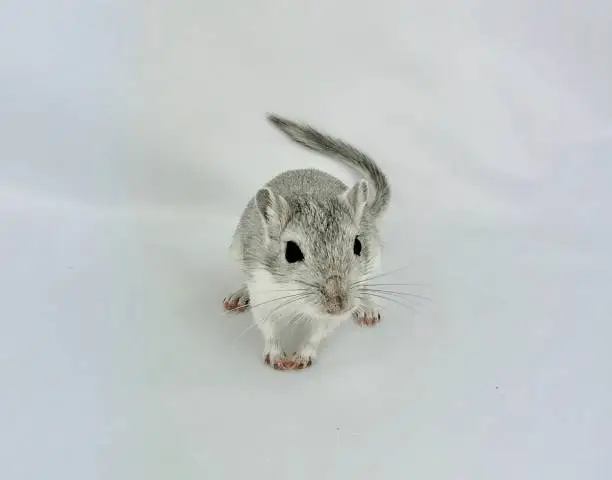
column 293, row 253
column 357, row 246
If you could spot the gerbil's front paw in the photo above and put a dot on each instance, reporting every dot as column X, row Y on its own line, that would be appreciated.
column 237, row 301
column 369, row 318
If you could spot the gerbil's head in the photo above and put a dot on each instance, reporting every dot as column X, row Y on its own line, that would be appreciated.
column 320, row 247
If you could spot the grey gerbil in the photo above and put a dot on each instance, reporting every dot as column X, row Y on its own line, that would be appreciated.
column 307, row 244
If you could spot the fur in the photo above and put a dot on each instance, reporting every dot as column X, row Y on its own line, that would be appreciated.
column 323, row 216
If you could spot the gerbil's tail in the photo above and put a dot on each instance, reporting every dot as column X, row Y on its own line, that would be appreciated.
column 336, row 148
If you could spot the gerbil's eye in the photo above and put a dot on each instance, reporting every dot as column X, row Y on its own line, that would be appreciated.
column 357, row 247
column 293, row 253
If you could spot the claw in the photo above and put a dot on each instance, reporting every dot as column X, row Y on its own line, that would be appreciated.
column 237, row 302
column 369, row 319
column 302, row 361
column 284, row 363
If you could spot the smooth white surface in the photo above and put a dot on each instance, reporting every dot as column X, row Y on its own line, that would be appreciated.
column 131, row 135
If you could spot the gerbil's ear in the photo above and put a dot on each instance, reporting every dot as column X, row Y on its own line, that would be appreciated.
column 274, row 211
column 357, row 198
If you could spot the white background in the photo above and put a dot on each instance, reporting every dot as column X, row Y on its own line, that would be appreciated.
column 133, row 133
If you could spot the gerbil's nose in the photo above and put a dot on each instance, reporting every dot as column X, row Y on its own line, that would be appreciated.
column 335, row 296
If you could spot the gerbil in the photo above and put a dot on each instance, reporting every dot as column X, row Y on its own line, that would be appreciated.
column 307, row 244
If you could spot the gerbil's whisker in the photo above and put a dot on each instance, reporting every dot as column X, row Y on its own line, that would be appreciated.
column 391, row 292
column 288, row 302
column 391, row 299
column 311, row 285
column 383, row 274
column 249, row 328
column 284, row 304
column 292, row 296
column 285, row 290
column 382, row 307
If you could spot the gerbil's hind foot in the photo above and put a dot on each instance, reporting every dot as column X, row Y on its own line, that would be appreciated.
column 278, row 361
column 238, row 301
column 303, row 360
column 282, row 362
column 367, row 318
